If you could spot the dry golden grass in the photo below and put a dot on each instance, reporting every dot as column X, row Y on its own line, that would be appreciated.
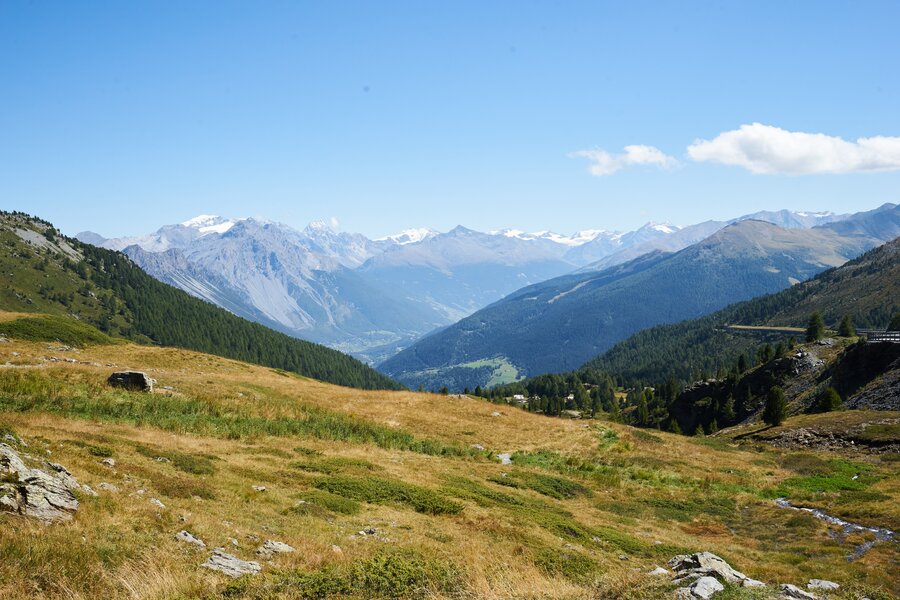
column 648, row 496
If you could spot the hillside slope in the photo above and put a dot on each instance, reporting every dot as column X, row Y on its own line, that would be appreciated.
column 867, row 289
column 52, row 274
column 397, row 494
column 558, row 324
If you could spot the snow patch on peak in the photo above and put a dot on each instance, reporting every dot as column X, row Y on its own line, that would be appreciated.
column 409, row 236
column 210, row 224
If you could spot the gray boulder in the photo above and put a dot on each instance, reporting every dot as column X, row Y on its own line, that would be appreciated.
column 137, row 381
column 703, row 564
column 792, row 592
column 35, row 493
column 706, row 587
column 231, row 565
column 188, row 538
column 822, row 584
column 270, row 548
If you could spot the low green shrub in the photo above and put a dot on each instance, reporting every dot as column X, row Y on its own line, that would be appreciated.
column 378, row 490
column 554, row 487
column 328, row 501
column 568, row 564
column 188, row 463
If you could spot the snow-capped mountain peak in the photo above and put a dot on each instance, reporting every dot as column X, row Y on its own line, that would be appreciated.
column 409, row 236
column 210, row 224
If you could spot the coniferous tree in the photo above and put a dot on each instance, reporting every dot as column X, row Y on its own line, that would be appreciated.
column 775, row 411
column 846, row 328
column 815, row 330
column 829, row 400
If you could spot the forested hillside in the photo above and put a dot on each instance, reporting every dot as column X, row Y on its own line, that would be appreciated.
column 557, row 325
column 52, row 274
column 867, row 289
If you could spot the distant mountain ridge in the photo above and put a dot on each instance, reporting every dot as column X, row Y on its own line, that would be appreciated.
column 369, row 297
column 79, row 282
column 558, row 324
column 867, row 289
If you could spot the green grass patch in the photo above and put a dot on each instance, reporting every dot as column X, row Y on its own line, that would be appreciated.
column 22, row 391
column 101, row 451
column 54, row 329
column 547, row 485
column 883, row 433
column 378, row 490
column 569, row 564
column 387, row 574
column 328, row 501
column 687, row 509
column 482, row 495
column 181, row 487
column 187, row 463
column 334, row 464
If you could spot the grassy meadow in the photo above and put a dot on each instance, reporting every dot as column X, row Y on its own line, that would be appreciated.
column 585, row 510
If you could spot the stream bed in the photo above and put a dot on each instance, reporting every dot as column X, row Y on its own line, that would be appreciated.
column 881, row 534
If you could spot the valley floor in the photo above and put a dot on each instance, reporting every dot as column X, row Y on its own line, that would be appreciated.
column 585, row 509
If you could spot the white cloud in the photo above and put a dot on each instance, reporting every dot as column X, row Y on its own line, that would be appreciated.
column 770, row 150
column 604, row 163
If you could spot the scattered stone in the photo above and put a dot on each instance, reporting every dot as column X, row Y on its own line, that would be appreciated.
column 337, row 550
column 259, row 488
column 131, row 380
column 478, row 447
column 109, row 462
column 155, row 502
column 495, row 414
column 14, row 440
column 184, row 536
column 706, row 587
column 822, row 584
column 794, row 593
column 623, row 557
column 505, row 458
column 368, row 531
column 108, row 487
column 658, row 571
column 230, row 565
column 33, row 492
column 702, row 564
column 271, row 548
column 233, row 541
column 252, row 537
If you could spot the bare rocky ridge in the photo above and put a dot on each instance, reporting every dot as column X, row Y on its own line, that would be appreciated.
column 33, row 492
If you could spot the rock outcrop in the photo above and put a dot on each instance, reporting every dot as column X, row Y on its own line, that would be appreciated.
column 707, row 564
column 131, row 380
column 270, row 548
column 32, row 492
column 231, row 565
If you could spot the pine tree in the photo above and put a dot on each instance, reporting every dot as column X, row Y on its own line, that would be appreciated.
column 846, row 328
column 815, row 330
column 829, row 400
column 775, row 411
column 895, row 323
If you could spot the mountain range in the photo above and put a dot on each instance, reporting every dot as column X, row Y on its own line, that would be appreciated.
column 558, row 324
column 372, row 298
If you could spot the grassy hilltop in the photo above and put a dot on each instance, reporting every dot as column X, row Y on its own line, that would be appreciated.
column 585, row 510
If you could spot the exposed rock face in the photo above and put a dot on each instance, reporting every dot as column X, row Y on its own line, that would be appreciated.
column 822, row 584
column 131, row 380
column 33, row 492
column 792, row 592
column 230, row 565
column 707, row 564
column 706, row 587
column 184, row 536
column 271, row 548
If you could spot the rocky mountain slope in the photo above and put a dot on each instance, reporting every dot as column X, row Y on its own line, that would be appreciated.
column 373, row 297
column 867, row 289
column 558, row 324
column 52, row 274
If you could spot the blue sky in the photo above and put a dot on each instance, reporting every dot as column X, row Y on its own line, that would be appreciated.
column 123, row 116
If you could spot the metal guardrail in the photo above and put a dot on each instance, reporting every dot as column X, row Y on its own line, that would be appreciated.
column 883, row 336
